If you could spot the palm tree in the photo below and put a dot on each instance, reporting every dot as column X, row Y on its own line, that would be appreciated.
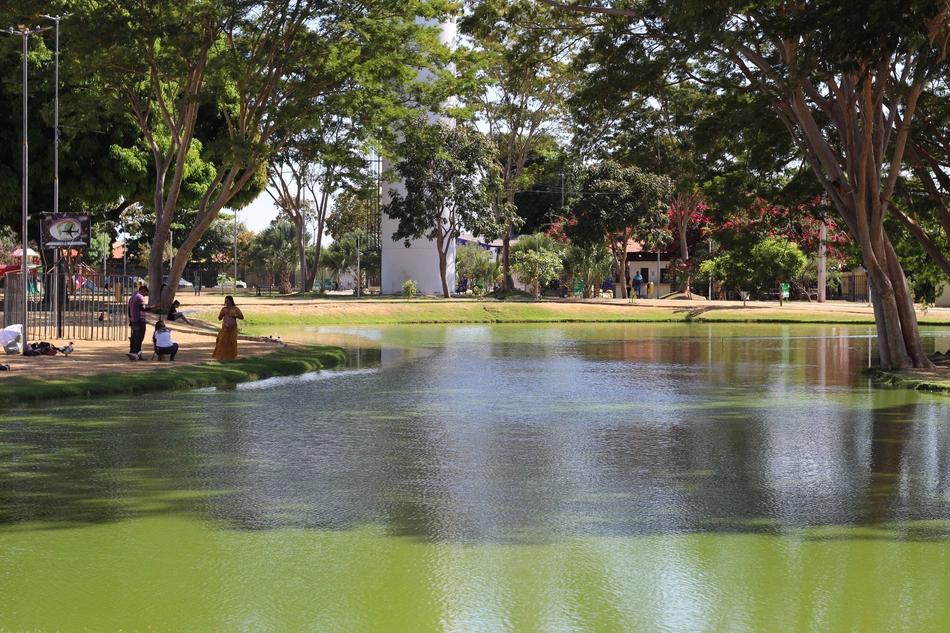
column 276, row 250
column 590, row 263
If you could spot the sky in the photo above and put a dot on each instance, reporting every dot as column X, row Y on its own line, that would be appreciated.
column 258, row 215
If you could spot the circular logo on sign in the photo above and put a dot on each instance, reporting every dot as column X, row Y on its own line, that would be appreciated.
column 65, row 229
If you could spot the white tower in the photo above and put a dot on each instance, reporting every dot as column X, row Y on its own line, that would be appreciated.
column 419, row 262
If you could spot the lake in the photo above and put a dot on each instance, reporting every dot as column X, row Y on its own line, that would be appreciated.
column 479, row 478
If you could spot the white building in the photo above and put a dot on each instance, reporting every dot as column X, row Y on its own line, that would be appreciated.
column 419, row 262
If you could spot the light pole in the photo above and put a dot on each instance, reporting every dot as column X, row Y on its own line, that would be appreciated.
column 56, row 298
column 25, row 33
column 537, row 263
column 56, row 18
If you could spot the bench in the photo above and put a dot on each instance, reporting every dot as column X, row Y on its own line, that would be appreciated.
column 268, row 289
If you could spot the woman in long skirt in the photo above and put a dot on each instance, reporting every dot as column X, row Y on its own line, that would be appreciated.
column 226, row 346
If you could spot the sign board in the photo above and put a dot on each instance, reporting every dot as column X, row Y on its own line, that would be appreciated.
column 64, row 231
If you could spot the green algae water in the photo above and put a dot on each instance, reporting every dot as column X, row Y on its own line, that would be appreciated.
column 559, row 478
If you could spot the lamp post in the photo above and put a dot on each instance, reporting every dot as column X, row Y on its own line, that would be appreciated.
column 25, row 33
column 56, row 298
column 56, row 134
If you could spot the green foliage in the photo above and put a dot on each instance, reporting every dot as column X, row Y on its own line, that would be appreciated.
column 409, row 289
column 617, row 202
column 353, row 211
column 536, row 267
column 8, row 244
column 276, row 250
column 590, row 263
column 450, row 179
column 524, row 64
column 345, row 254
column 761, row 268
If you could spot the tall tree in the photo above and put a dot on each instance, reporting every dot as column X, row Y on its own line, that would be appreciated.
column 323, row 158
column 616, row 205
column 450, row 177
column 275, row 249
column 526, row 78
column 844, row 80
column 232, row 75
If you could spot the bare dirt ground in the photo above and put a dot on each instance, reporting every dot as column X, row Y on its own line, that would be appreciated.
column 196, row 343
column 197, row 340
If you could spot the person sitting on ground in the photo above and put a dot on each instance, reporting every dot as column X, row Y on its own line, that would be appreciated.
column 174, row 314
column 163, row 341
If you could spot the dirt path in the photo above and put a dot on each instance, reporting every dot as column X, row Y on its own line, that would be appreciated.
column 196, row 343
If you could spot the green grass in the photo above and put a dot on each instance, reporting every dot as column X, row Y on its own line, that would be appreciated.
column 898, row 378
column 287, row 361
column 406, row 312
column 412, row 312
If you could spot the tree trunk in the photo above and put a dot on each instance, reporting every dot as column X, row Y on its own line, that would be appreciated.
column 508, row 282
column 622, row 273
column 316, row 260
column 443, row 270
column 442, row 246
column 302, row 253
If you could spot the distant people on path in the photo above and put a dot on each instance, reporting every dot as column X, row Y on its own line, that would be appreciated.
column 175, row 315
column 225, row 348
column 138, row 308
column 197, row 285
column 162, row 337
column 638, row 284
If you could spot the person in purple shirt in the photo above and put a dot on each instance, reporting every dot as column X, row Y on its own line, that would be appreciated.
column 137, row 310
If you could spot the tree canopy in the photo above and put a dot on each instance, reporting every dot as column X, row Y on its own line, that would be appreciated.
column 449, row 175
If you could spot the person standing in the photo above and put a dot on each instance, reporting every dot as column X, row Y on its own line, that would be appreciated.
column 137, row 311
column 638, row 284
column 225, row 348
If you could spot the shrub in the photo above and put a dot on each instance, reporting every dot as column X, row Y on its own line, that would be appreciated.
column 409, row 289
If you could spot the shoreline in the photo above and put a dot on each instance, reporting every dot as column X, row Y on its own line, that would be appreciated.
column 288, row 360
column 101, row 368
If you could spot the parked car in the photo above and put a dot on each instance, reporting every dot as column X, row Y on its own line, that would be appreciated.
column 182, row 283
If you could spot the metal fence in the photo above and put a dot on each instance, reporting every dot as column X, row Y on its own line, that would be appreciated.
column 854, row 287
column 73, row 306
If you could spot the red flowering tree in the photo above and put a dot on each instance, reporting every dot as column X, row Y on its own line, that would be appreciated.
column 689, row 223
column 741, row 232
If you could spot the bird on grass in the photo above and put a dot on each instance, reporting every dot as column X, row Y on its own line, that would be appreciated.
column 66, row 350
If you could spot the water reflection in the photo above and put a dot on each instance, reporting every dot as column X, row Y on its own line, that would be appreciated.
column 512, row 435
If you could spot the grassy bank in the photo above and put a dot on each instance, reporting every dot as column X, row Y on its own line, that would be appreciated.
column 404, row 312
column 288, row 361
column 936, row 380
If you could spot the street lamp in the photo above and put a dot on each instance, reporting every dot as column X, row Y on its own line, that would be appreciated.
column 25, row 33
column 56, row 134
